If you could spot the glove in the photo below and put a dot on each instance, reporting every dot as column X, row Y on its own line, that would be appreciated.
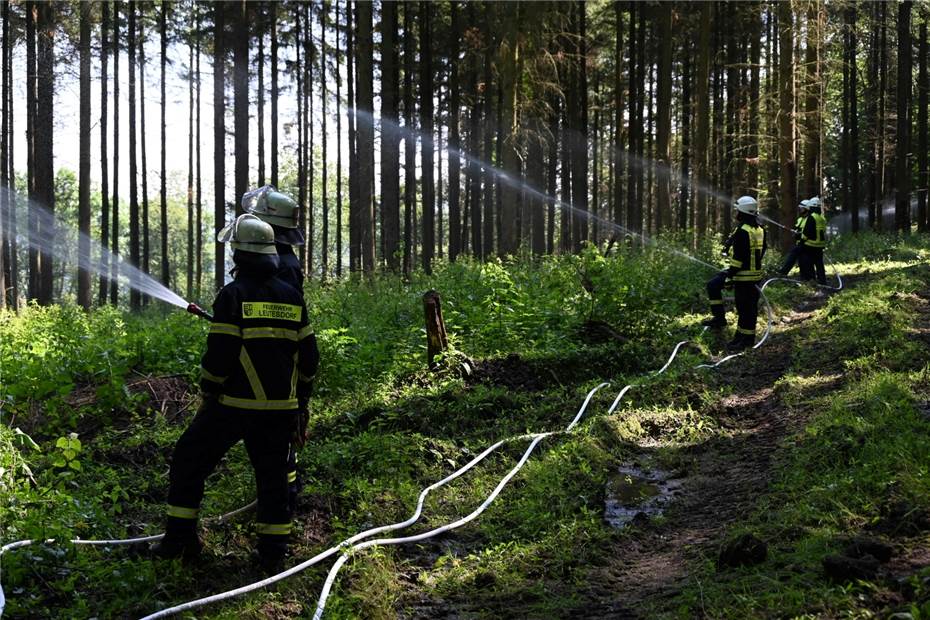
column 303, row 420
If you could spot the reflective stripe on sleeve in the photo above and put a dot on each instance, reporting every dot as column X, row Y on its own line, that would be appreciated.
column 181, row 512
column 292, row 476
column 251, row 374
column 305, row 331
column 278, row 529
column 716, row 302
column 747, row 332
column 227, row 329
column 735, row 263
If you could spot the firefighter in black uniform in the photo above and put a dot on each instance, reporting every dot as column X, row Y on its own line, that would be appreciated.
column 255, row 377
column 813, row 241
column 794, row 255
column 281, row 211
column 748, row 245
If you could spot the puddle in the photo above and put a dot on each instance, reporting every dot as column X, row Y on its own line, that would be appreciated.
column 633, row 490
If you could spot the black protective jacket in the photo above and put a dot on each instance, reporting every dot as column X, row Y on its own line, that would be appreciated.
column 289, row 267
column 261, row 352
column 748, row 244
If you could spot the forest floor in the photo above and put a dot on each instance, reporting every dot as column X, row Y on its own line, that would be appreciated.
column 816, row 439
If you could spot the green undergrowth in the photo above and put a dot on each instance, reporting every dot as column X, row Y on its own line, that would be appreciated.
column 536, row 337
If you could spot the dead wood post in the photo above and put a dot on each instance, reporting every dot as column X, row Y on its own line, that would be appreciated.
column 436, row 341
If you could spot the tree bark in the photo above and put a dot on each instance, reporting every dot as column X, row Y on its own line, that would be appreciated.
column 455, row 215
column 366, row 136
column 198, row 280
column 8, row 243
column 135, row 297
column 853, row 161
column 12, row 264
column 84, row 293
column 338, row 153
column 390, row 139
column 260, row 95
column 190, row 160
column 436, row 340
column 114, row 235
column 273, row 20
column 786, row 150
column 702, row 112
column 618, row 159
column 143, row 152
column 241, row 102
column 34, row 286
column 812, row 103
column 355, row 244
column 664, row 118
column 902, row 211
column 580, row 126
column 324, row 124
column 428, row 189
column 44, row 160
column 163, row 189
column 685, row 216
column 219, row 140
column 922, row 87
column 507, row 69
column 409, row 139
column 755, row 59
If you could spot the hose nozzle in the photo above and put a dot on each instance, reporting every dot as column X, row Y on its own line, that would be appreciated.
column 197, row 310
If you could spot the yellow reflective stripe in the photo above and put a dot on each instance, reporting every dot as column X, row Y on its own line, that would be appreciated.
column 269, row 310
column 747, row 276
column 748, row 332
column 182, row 513
column 736, row 262
column 252, row 403
column 269, row 332
column 227, row 329
column 251, row 374
column 206, row 374
column 293, row 393
column 279, row 529
column 305, row 331
column 716, row 302
column 292, row 476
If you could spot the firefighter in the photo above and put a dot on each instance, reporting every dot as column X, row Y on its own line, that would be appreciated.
column 748, row 245
column 794, row 255
column 255, row 381
column 281, row 212
column 813, row 241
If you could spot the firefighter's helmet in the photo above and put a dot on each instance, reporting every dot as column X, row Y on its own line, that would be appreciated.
column 249, row 234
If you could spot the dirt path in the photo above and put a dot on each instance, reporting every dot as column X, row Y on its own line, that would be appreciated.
column 728, row 474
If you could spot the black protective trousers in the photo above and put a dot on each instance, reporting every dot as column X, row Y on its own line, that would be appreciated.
column 811, row 261
column 746, row 296
column 267, row 436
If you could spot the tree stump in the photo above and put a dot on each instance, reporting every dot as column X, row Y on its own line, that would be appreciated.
column 436, row 341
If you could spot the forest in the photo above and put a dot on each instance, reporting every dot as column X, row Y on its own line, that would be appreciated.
column 553, row 183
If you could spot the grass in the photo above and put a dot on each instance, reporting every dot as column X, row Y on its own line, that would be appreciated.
column 384, row 428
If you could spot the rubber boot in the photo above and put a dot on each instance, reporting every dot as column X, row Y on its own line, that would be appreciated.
column 272, row 549
column 180, row 540
column 718, row 318
column 741, row 342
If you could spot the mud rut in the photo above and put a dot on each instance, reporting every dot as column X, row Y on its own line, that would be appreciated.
column 726, row 476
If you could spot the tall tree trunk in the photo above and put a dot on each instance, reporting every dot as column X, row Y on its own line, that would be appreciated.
column 507, row 67
column 580, row 163
column 455, row 215
column 7, row 242
column 552, row 171
column 489, row 177
column 260, row 95
column 472, row 171
column 635, row 214
column 922, row 87
column 219, row 139
column 135, row 297
column 299, row 72
column 812, row 102
column 324, row 123
column 366, row 135
column 12, row 200
column 355, row 242
column 44, row 161
column 409, row 139
column 390, row 139
column 114, row 235
column 871, row 112
column 902, row 211
column 685, row 217
column 198, row 279
column 755, row 59
column 786, row 151
column 190, row 160
column 143, row 151
column 309, row 235
column 702, row 112
column 241, row 101
column 273, row 20
column 34, row 289
column 338, row 152
column 852, row 97
column 882, row 186
column 664, row 120
column 617, row 146
column 163, row 193
column 84, row 293
column 428, row 190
